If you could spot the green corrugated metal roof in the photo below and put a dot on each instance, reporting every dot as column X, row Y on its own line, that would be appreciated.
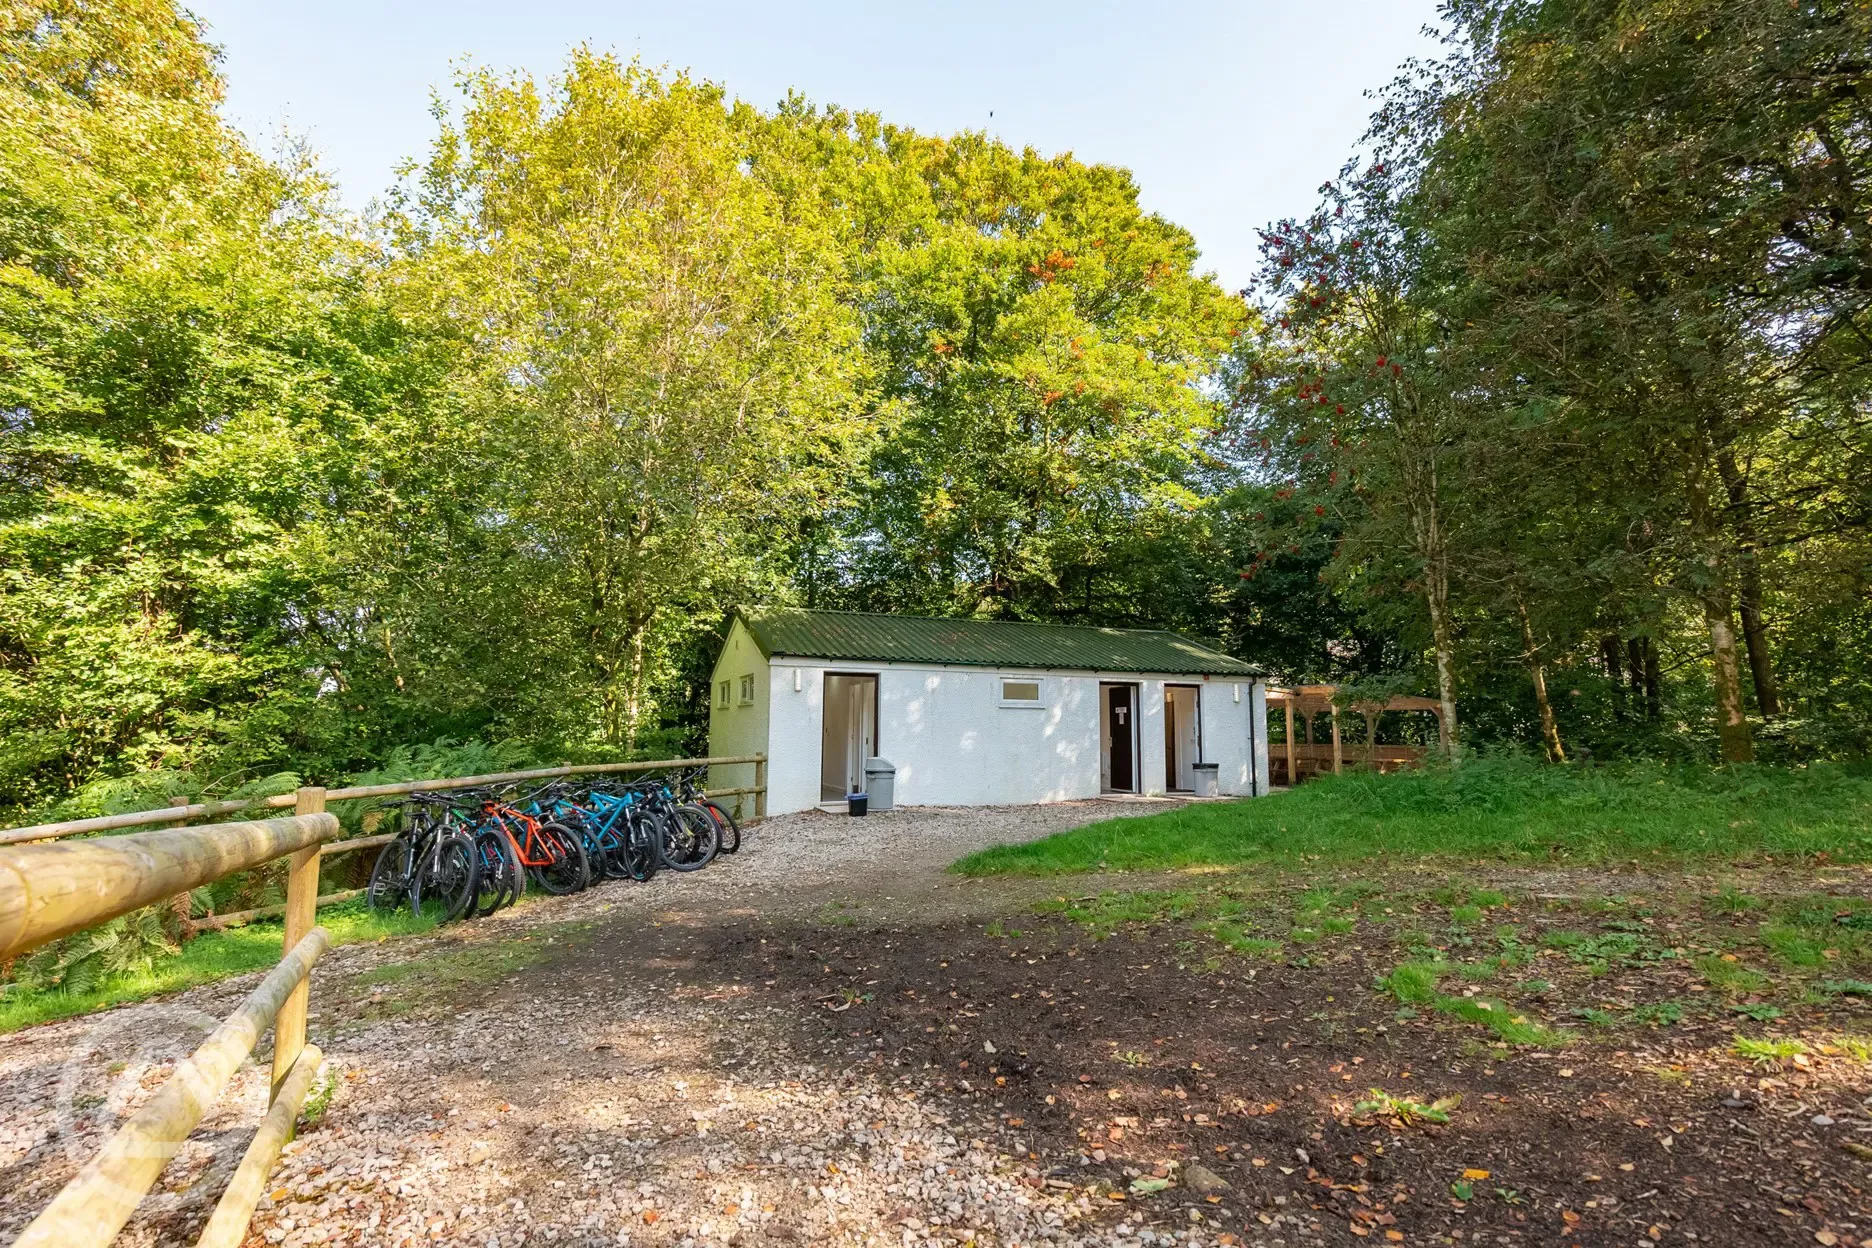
column 851, row 636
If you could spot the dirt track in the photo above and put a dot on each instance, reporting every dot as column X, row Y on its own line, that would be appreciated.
column 814, row 1045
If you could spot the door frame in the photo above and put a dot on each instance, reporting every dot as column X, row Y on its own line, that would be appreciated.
column 1170, row 785
column 877, row 727
column 1137, row 702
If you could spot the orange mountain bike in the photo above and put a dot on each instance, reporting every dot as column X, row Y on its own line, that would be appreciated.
column 551, row 853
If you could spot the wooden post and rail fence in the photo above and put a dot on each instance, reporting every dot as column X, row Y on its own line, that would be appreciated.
column 51, row 887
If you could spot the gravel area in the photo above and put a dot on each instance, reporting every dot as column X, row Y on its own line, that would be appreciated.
column 579, row 1072
column 799, row 863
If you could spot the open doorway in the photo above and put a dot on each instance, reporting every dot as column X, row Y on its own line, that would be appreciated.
column 1182, row 736
column 850, row 734
column 1118, row 736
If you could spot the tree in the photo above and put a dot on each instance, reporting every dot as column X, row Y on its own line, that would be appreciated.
column 1040, row 346
column 652, row 298
column 1645, row 258
column 174, row 373
column 1349, row 396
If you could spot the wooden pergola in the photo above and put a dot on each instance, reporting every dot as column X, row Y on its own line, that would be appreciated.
column 1303, row 703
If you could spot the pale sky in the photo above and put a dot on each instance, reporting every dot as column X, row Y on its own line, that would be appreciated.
column 1229, row 114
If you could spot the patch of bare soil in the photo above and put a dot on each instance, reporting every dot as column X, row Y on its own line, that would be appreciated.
column 1116, row 1060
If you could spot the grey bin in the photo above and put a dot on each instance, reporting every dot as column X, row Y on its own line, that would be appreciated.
column 881, row 782
column 1207, row 779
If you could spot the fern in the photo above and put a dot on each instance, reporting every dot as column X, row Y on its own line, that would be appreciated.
column 89, row 959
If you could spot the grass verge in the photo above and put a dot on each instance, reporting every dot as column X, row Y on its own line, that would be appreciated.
column 1508, row 809
column 209, row 957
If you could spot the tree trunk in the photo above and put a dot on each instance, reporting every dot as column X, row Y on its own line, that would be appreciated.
column 1609, row 655
column 1748, row 578
column 1537, row 673
column 1427, row 528
column 639, row 680
column 1755, row 637
column 1732, row 729
column 1732, row 726
column 1653, row 681
column 1443, row 638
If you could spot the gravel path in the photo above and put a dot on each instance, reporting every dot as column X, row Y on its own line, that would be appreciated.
column 574, row 1072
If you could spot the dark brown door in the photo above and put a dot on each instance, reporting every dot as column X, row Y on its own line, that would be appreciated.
column 1120, row 725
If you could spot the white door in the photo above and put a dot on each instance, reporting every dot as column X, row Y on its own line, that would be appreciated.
column 849, row 736
column 1182, row 734
column 858, row 741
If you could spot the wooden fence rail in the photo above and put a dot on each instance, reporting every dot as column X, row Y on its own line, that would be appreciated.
column 48, row 891
column 51, row 888
column 207, row 810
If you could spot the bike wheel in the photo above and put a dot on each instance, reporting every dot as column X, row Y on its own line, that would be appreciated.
column 389, row 878
column 614, row 860
column 493, row 874
column 568, row 871
column 690, row 839
column 452, row 878
column 642, row 856
column 725, row 824
column 595, row 854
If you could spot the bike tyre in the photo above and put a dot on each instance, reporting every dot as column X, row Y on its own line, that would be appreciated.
column 494, row 888
column 696, row 841
column 643, row 853
column 389, row 879
column 569, row 870
column 725, row 824
column 454, row 878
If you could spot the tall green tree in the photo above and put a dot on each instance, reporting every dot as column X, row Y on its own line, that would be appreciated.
column 1041, row 347
column 1350, row 396
column 176, row 369
column 651, row 294
column 1650, row 205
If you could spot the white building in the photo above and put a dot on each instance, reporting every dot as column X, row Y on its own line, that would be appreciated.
column 978, row 712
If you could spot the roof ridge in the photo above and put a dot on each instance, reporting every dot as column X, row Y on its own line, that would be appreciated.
column 971, row 641
column 964, row 619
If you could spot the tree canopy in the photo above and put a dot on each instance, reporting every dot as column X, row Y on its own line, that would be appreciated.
column 1557, row 403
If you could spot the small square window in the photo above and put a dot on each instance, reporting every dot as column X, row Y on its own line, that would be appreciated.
column 1020, row 693
column 747, row 691
column 722, row 693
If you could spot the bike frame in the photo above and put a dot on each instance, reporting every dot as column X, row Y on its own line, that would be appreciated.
column 545, row 855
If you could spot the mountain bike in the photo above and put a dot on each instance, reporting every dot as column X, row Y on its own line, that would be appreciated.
column 551, row 854
column 625, row 824
column 560, row 802
column 689, row 838
column 689, row 789
column 432, row 859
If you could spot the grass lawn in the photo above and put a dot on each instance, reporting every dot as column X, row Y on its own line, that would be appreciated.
column 1505, row 809
column 210, row 956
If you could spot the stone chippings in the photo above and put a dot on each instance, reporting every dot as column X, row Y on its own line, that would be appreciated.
column 611, row 1111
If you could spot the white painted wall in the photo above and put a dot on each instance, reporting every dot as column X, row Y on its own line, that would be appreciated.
column 740, row 727
column 955, row 744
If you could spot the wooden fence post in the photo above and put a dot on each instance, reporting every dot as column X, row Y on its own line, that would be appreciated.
column 1292, row 773
column 760, row 786
column 302, row 879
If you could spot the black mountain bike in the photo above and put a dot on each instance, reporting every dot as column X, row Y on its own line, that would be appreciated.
column 689, row 839
column 432, row 860
column 689, row 789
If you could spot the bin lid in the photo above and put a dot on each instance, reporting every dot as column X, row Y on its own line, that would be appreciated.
column 879, row 767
